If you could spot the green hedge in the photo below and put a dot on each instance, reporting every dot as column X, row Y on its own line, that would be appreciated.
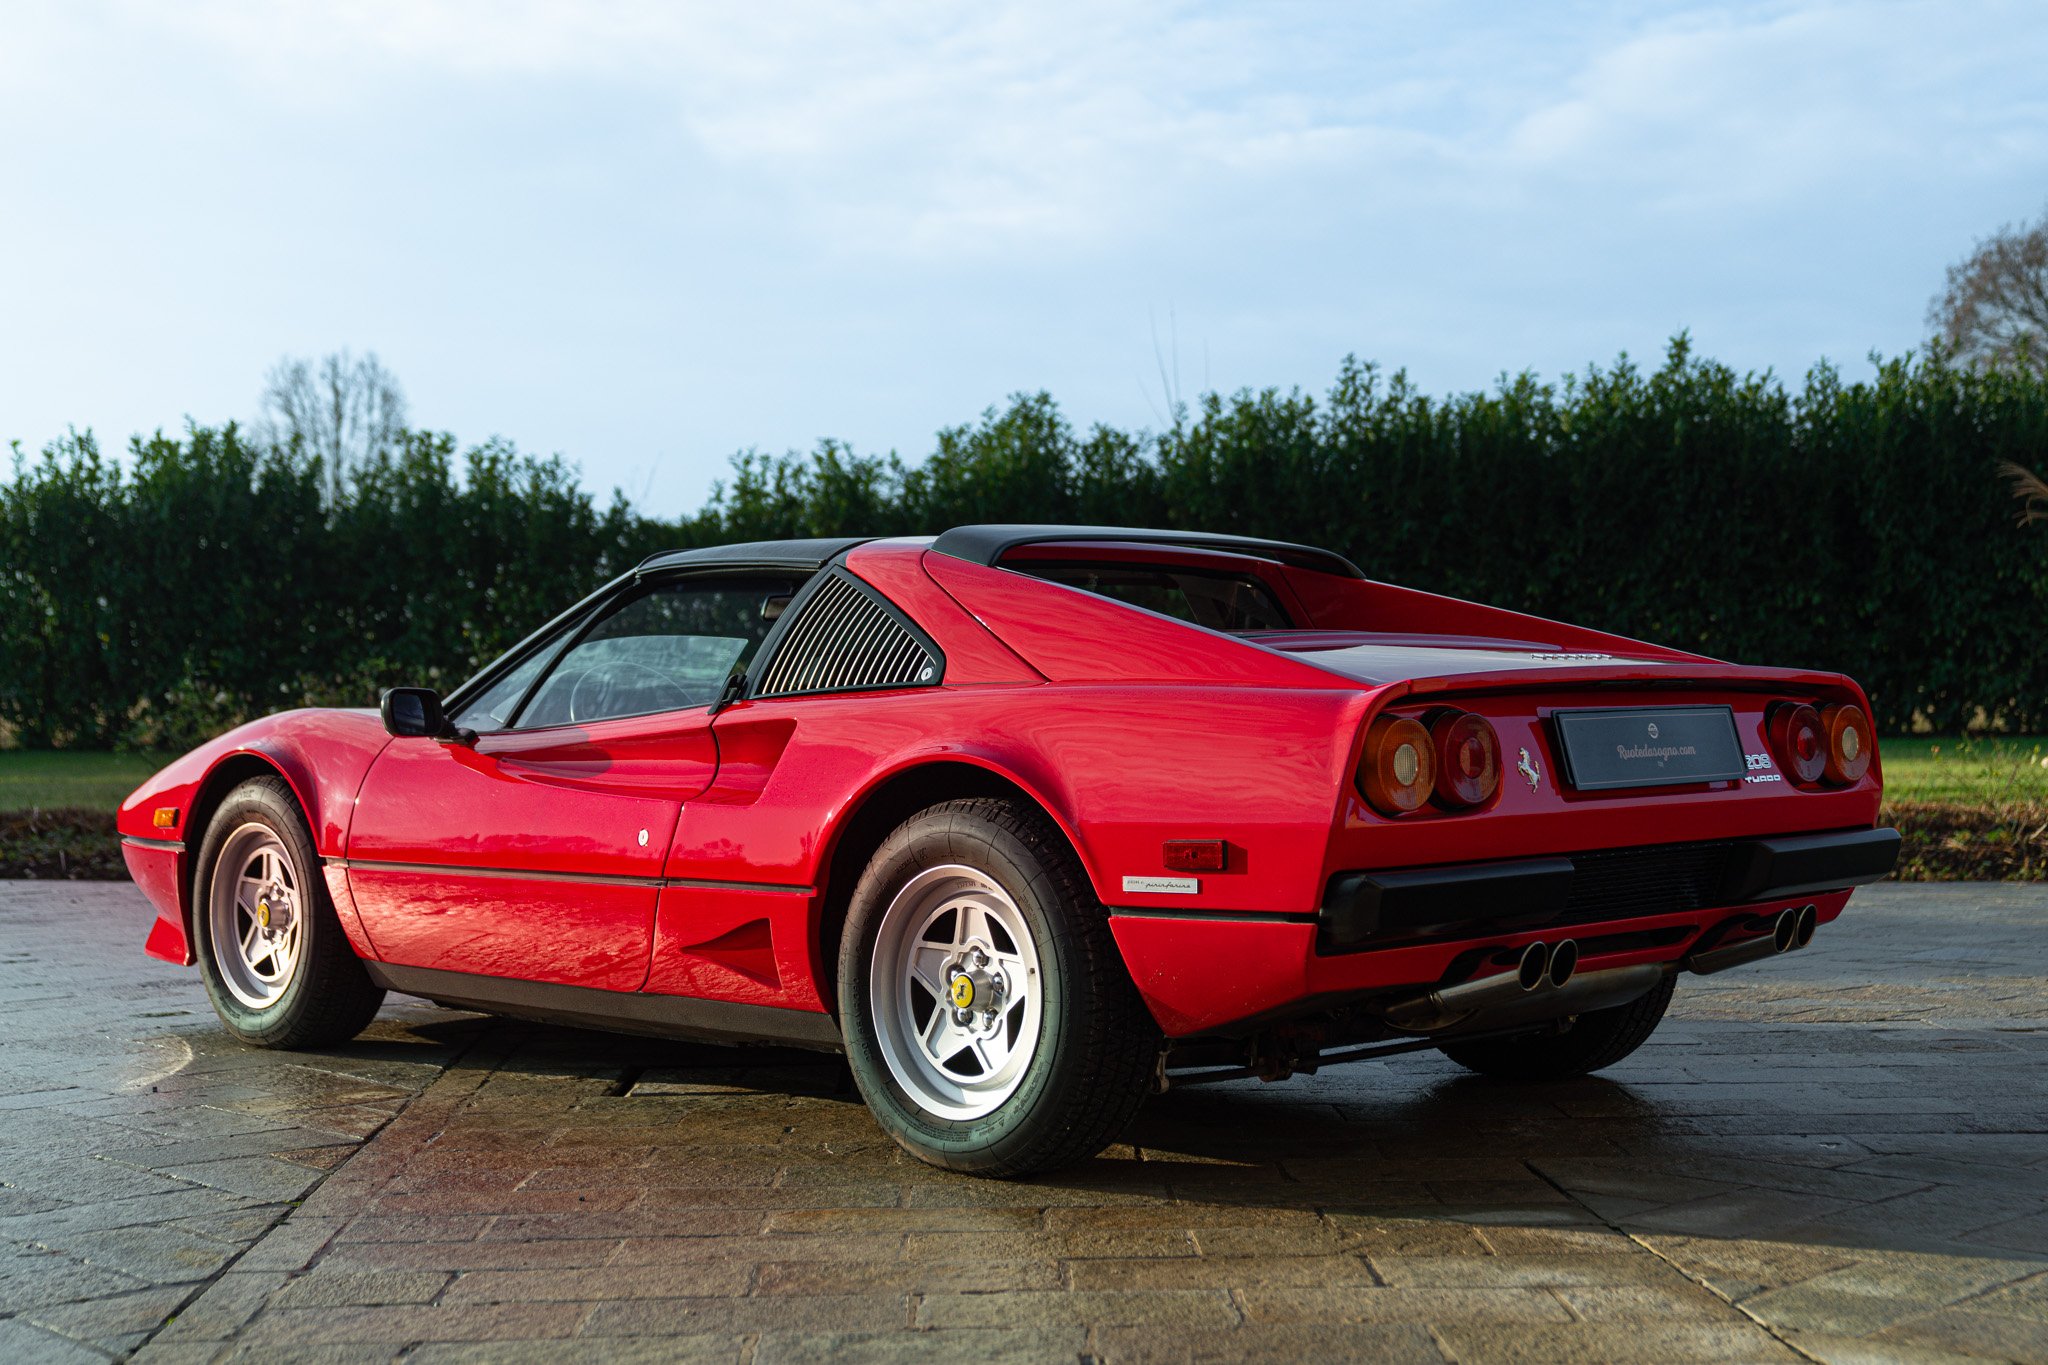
column 1860, row 527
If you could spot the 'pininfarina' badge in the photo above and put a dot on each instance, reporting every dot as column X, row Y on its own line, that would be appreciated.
column 1527, row 768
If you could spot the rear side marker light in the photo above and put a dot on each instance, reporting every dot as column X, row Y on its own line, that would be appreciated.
column 1848, row 744
column 166, row 817
column 1398, row 772
column 1467, row 756
column 1799, row 741
column 1195, row 855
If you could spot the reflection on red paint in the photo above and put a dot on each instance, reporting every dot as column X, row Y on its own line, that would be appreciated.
column 683, row 854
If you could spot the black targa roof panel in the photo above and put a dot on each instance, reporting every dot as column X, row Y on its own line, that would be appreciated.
column 803, row 555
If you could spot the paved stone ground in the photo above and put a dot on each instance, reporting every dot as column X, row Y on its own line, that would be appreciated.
column 1839, row 1155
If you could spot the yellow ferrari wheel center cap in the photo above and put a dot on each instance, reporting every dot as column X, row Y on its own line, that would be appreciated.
column 263, row 914
column 963, row 991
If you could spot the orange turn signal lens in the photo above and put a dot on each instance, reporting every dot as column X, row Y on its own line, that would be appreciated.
column 1848, row 747
column 1398, row 771
column 166, row 817
column 1467, row 756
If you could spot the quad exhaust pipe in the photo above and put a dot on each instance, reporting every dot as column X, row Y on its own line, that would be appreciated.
column 1790, row 930
column 1545, row 983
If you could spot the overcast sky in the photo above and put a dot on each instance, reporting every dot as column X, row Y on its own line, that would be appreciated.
column 647, row 235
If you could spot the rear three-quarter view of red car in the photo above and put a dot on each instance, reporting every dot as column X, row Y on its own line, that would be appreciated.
column 1031, row 822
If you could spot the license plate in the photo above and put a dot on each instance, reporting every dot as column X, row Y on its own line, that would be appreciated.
column 1648, row 746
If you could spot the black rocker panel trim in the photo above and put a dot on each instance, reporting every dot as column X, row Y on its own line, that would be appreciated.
column 659, row 1016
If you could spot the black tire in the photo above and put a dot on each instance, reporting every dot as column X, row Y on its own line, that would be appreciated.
column 1096, row 1043
column 328, row 998
column 1596, row 1039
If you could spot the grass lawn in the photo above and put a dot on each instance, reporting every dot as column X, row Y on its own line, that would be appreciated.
column 1972, row 772
column 33, row 779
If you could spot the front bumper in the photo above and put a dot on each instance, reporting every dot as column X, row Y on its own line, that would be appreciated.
column 157, row 867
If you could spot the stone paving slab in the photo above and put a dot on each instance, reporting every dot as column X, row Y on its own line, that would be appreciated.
column 1839, row 1155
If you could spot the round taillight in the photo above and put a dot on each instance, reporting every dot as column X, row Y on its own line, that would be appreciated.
column 1799, row 741
column 1848, row 743
column 1467, row 758
column 1398, row 771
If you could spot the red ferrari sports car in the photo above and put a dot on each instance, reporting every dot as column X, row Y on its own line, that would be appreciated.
column 1030, row 821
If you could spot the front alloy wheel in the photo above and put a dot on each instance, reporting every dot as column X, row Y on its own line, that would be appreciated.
column 254, row 919
column 278, row 968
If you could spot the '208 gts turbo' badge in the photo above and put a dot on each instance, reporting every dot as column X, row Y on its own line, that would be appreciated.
column 1528, row 769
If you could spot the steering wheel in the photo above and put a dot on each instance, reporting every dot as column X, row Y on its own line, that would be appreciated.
column 602, row 691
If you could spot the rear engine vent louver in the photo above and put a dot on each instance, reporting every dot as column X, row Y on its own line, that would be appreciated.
column 847, row 641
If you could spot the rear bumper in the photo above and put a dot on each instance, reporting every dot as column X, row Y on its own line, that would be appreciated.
column 1364, row 910
column 1397, row 931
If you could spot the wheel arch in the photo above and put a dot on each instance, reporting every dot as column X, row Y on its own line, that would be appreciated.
column 226, row 775
column 876, row 812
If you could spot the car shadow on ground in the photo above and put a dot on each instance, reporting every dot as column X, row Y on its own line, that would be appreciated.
column 1910, row 1140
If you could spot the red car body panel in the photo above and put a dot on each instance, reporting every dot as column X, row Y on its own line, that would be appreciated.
column 323, row 755
column 560, row 835
column 697, row 856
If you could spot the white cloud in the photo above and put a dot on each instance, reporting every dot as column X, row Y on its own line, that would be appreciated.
column 792, row 219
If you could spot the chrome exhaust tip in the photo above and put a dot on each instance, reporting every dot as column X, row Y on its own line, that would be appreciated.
column 1564, row 960
column 1446, row 1005
column 1790, row 930
column 1785, row 932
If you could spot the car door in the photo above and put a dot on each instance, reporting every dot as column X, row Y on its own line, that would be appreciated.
column 536, row 853
column 846, row 678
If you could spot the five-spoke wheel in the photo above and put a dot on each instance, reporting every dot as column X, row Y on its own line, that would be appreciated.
column 989, row 1020
column 955, row 990
column 256, row 924
column 278, row 968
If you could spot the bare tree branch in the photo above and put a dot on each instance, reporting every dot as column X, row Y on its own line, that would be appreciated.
column 1994, row 309
column 344, row 412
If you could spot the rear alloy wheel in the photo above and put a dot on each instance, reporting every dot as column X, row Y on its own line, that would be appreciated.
column 278, row 968
column 989, row 1020
column 1596, row 1039
column 956, row 992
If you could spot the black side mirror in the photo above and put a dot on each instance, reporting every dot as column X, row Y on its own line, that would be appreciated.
column 415, row 713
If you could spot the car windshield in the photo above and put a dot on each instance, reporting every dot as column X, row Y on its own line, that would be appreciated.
column 1205, row 597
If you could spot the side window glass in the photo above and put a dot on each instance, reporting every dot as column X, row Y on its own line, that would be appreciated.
column 492, row 710
column 666, row 649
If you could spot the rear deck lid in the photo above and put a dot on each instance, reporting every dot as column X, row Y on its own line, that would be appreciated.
column 1381, row 659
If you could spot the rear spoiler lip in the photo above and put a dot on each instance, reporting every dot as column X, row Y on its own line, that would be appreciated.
column 1643, row 674
column 987, row 544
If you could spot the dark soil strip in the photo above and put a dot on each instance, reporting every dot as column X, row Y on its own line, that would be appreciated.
column 61, row 845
